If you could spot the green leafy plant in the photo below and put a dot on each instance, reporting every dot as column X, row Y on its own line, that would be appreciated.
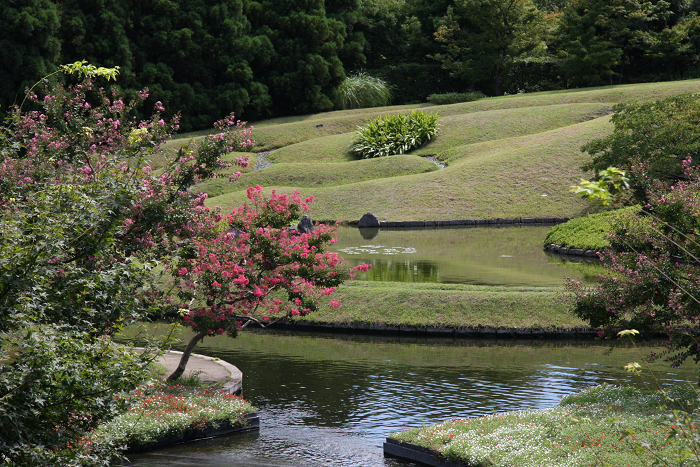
column 455, row 97
column 360, row 91
column 395, row 134
column 607, row 189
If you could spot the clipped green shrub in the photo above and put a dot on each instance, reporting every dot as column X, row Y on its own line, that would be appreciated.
column 395, row 134
column 590, row 232
column 455, row 97
column 360, row 91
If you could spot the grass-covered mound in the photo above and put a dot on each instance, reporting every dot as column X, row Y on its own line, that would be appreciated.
column 590, row 232
column 510, row 156
column 449, row 305
column 589, row 428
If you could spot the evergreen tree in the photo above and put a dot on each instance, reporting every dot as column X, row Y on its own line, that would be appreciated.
column 29, row 45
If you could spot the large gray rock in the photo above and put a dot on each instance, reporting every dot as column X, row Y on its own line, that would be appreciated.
column 368, row 220
column 306, row 225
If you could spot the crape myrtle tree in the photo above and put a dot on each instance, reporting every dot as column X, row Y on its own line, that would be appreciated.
column 654, row 282
column 91, row 234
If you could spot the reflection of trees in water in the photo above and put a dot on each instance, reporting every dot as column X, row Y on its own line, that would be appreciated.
column 589, row 267
column 402, row 271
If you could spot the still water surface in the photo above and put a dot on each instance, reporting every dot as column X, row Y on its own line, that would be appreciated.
column 504, row 256
column 331, row 400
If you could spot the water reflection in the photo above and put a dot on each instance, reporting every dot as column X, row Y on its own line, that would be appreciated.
column 330, row 400
column 505, row 256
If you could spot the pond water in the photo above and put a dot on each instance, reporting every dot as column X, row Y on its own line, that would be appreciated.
column 331, row 400
column 505, row 256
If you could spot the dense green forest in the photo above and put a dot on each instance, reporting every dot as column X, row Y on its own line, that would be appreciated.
column 265, row 58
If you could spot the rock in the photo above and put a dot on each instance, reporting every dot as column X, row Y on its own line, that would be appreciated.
column 368, row 220
column 306, row 225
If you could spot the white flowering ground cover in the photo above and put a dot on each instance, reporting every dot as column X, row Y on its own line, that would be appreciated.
column 161, row 411
column 601, row 426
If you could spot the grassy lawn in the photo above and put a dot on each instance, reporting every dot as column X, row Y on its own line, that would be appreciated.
column 510, row 156
column 449, row 305
column 605, row 425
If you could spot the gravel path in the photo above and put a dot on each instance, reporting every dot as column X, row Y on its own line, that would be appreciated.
column 261, row 163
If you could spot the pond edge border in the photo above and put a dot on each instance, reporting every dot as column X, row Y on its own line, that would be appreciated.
column 213, row 429
column 436, row 331
column 563, row 250
column 414, row 453
column 473, row 222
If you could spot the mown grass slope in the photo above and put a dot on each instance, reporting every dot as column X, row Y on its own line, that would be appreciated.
column 511, row 156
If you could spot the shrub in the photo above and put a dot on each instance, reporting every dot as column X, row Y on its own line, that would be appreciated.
column 360, row 91
column 455, row 97
column 590, row 232
column 395, row 134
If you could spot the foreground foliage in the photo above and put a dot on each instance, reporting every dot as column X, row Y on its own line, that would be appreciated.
column 92, row 239
column 395, row 134
column 650, row 142
column 604, row 425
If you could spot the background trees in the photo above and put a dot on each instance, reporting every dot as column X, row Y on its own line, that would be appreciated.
column 207, row 58
column 486, row 38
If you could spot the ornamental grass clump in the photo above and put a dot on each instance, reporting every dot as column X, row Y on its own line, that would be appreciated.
column 395, row 134
column 360, row 91
column 162, row 411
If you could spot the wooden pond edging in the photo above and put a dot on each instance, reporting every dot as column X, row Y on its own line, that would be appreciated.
column 413, row 453
column 213, row 429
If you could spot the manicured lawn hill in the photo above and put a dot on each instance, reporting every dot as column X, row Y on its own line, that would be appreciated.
column 511, row 156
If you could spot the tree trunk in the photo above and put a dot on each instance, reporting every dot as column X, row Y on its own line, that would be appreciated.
column 186, row 356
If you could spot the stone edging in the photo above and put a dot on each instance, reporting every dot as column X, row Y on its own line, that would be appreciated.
column 413, row 453
column 431, row 331
column 212, row 430
column 474, row 222
column 562, row 250
column 234, row 385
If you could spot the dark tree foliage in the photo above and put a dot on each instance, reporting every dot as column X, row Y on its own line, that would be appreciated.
column 601, row 39
column 29, row 45
column 303, row 68
column 193, row 55
column 484, row 40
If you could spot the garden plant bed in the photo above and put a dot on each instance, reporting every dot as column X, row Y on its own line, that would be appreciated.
column 212, row 429
column 162, row 415
column 603, row 425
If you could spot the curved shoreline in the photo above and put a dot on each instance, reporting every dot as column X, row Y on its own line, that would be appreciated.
column 437, row 331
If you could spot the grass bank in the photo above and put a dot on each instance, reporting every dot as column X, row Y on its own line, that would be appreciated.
column 449, row 305
column 604, row 425
column 510, row 156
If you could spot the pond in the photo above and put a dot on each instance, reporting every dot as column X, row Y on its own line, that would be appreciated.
column 330, row 400
column 504, row 256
